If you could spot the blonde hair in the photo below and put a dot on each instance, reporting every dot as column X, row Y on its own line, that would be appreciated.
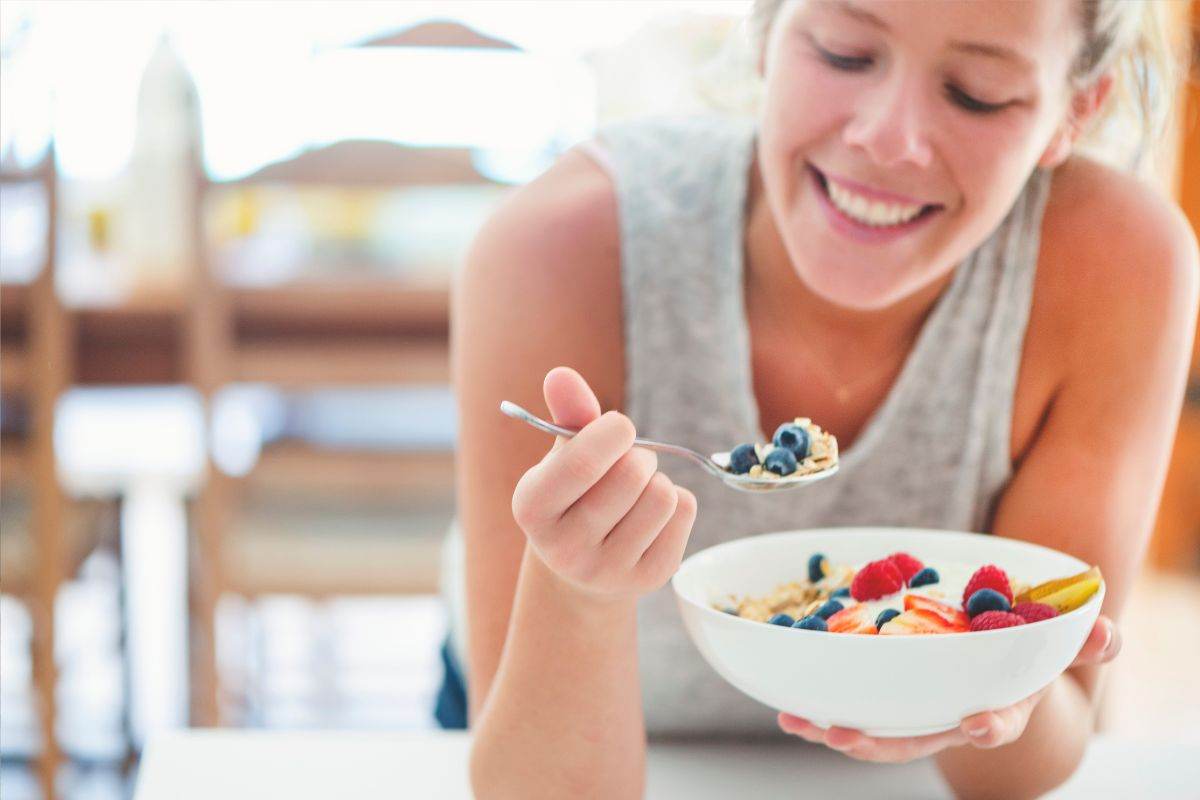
column 1128, row 38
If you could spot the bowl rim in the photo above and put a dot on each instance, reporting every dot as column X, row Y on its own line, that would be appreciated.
column 1096, row 599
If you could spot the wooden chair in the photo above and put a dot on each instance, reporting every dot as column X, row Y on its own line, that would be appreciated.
column 310, row 334
column 36, row 353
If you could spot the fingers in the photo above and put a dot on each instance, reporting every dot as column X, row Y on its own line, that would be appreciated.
column 857, row 745
column 604, row 505
column 1102, row 645
column 549, row 488
column 635, row 532
column 1003, row 726
column 571, row 401
column 664, row 554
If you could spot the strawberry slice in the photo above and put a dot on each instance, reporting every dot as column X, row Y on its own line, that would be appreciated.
column 920, row 620
column 953, row 617
column 855, row 619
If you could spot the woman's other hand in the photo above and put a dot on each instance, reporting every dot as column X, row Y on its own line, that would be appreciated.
column 985, row 730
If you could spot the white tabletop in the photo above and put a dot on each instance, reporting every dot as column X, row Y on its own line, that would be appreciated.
column 233, row 764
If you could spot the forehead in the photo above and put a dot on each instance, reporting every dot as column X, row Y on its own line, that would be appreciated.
column 1035, row 27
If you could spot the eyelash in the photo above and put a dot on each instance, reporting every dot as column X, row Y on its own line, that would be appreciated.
column 956, row 95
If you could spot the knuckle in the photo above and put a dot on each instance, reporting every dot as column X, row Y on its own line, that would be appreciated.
column 524, row 506
column 579, row 467
column 645, row 460
column 687, row 501
column 636, row 467
column 661, row 491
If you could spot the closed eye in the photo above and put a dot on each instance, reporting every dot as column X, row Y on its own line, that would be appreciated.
column 841, row 62
column 969, row 103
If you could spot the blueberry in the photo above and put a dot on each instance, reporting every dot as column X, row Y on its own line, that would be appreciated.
column 884, row 616
column 816, row 567
column 812, row 623
column 782, row 619
column 828, row 609
column 793, row 438
column 842, row 592
column 986, row 600
column 924, row 577
column 742, row 459
column 780, row 461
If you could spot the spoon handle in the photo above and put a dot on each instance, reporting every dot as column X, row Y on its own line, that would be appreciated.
column 516, row 412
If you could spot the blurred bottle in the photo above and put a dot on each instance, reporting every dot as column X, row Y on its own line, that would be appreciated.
column 159, row 201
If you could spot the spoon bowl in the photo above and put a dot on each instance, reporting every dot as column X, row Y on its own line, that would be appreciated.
column 716, row 465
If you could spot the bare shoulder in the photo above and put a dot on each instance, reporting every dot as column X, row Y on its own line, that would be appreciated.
column 1118, row 259
column 542, row 279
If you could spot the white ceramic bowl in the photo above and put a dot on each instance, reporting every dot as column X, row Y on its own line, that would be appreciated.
column 883, row 685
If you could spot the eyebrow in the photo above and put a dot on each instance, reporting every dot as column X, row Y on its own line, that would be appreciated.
column 861, row 14
column 995, row 51
column 992, row 51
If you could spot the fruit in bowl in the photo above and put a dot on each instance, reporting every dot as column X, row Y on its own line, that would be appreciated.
column 857, row 648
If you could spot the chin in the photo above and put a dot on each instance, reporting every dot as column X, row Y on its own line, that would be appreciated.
column 856, row 287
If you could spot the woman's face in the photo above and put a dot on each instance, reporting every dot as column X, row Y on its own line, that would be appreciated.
column 896, row 134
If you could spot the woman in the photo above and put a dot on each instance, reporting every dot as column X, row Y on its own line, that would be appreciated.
column 904, row 249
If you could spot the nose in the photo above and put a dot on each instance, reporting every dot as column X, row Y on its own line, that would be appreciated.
column 888, row 124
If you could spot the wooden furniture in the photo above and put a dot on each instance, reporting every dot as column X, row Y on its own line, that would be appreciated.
column 308, row 334
column 35, row 365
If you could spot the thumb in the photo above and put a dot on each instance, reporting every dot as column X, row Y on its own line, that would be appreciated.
column 571, row 401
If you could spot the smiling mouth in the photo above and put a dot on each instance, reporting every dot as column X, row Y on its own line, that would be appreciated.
column 868, row 211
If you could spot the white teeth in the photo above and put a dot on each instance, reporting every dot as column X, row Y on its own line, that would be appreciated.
column 867, row 211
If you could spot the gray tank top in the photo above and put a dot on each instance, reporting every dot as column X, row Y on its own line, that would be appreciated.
column 935, row 454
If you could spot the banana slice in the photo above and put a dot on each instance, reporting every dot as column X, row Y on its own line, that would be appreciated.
column 1065, row 594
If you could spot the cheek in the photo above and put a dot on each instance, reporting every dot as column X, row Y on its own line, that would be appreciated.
column 988, row 159
column 804, row 105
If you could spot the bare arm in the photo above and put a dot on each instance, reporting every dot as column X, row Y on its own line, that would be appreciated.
column 555, row 702
column 1091, row 482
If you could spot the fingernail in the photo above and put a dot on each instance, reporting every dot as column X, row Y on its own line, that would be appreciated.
column 978, row 731
column 1108, row 637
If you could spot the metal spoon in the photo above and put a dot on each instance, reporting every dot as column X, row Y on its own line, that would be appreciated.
column 716, row 464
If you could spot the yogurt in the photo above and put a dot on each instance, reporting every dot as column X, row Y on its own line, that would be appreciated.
column 952, row 581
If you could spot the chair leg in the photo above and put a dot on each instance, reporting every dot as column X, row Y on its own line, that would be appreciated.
column 211, row 511
column 45, row 681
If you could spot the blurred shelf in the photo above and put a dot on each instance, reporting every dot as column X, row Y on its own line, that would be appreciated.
column 294, row 465
column 85, row 524
column 368, row 163
column 13, row 297
column 272, row 554
column 376, row 305
column 304, row 334
column 38, row 172
column 322, row 363
column 14, row 462
column 14, row 368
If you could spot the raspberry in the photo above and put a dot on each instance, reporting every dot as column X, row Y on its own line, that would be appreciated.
column 1034, row 612
column 988, row 577
column 992, row 620
column 875, row 580
column 907, row 565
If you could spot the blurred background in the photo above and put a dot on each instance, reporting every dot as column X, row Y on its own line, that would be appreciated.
column 227, row 235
